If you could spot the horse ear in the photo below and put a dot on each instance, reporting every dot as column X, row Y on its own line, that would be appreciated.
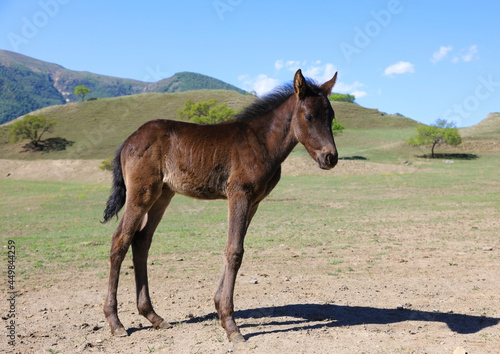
column 326, row 88
column 299, row 85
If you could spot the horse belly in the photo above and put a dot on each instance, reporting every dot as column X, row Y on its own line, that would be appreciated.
column 196, row 186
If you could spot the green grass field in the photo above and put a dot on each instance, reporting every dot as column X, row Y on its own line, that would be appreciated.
column 57, row 226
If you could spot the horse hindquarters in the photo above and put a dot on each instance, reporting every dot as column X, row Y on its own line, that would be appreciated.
column 144, row 195
column 122, row 238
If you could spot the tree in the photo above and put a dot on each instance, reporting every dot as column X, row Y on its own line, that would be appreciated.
column 205, row 112
column 32, row 128
column 81, row 91
column 337, row 128
column 340, row 97
column 441, row 132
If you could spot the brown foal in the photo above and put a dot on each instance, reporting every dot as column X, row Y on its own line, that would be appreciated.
column 239, row 160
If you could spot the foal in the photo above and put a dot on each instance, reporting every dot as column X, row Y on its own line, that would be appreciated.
column 239, row 160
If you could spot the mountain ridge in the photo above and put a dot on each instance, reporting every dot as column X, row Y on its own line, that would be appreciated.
column 17, row 99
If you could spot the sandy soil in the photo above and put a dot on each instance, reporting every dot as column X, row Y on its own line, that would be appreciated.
column 410, row 299
column 88, row 171
column 54, row 170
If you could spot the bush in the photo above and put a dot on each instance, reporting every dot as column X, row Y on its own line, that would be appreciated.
column 205, row 112
column 337, row 128
column 340, row 97
column 107, row 165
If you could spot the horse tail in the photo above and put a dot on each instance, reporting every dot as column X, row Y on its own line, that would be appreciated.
column 118, row 195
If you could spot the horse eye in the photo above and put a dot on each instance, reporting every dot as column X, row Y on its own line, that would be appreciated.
column 308, row 117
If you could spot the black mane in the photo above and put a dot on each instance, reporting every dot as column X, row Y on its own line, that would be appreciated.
column 272, row 100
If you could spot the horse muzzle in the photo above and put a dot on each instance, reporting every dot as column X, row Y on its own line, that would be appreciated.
column 327, row 161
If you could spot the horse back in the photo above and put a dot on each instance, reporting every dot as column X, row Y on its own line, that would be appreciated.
column 191, row 159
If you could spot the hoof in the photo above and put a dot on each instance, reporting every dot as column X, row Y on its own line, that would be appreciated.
column 163, row 325
column 236, row 337
column 120, row 332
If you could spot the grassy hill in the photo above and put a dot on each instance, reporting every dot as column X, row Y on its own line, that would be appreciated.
column 27, row 84
column 97, row 128
column 487, row 128
column 371, row 134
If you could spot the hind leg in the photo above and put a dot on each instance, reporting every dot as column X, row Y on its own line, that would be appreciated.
column 137, row 205
column 140, row 249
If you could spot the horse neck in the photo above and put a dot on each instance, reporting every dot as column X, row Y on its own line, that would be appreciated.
column 274, row 130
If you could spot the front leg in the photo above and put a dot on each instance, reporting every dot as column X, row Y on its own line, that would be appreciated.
column 240, row 214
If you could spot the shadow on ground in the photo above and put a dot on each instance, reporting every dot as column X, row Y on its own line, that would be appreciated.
column 299, row 317
column 48, row 145
column 351, row 158
column 450, row 156
column 307, row 316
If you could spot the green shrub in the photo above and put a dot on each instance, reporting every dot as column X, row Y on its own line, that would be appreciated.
column 340, row 97
column 205, row 112
column 107, row 165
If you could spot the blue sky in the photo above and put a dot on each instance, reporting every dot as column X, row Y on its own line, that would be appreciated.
column 424, row 59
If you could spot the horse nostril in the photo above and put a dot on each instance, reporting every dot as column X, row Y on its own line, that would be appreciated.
column 331, row 159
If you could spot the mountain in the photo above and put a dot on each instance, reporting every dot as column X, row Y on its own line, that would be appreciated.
column 27, row 84
column 187, row 81
column 23, row 90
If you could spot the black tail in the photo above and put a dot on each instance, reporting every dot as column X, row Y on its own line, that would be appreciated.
column 117, row 198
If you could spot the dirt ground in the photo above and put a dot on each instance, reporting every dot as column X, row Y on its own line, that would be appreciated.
column 88, row 171
column 411, row 300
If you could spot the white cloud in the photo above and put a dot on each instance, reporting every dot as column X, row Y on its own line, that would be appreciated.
column 293, row 65
column 401, row 67
column 358, row 94
column 441, row 54
column 342, row 87
column 466, row 55
column 319, row 72
column 352, row 89
column 261, row 84
column 316, row 70
column 470, row 54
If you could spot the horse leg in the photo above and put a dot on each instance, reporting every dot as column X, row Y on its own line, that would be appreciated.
column 240, row 214
column 140, row 249
column 220, row 285
column 136, row 207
